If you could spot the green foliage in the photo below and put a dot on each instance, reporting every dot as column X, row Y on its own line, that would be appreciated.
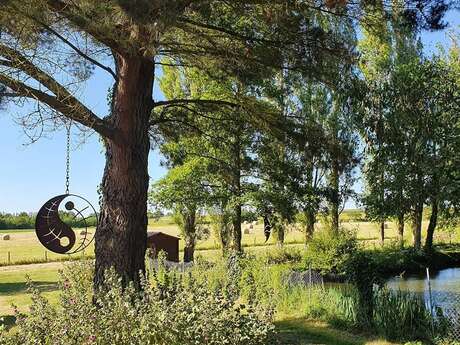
column 283, row 255
column 402, row 316
column 25, row 220
column 330, row 253
column 409, row 123
column 170, row 310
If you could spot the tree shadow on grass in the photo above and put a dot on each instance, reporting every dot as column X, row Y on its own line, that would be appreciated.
column 21, row 287
column 7, row 320
column 303, row 332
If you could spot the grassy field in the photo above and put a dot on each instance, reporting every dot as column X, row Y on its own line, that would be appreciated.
column 292, row 330
column 24, row 247
column 13, row 288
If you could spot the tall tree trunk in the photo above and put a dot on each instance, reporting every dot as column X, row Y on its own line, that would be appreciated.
column 122, row 232
column 310, row 221
column 382, row 233
column 431, row 226
column 224, row 229
column 334, row 203
column 236, row 220
column 417, row 225
column 237, row 229
column 280, row 234
column 401, row 229
column 189, row 234
column 224, row 239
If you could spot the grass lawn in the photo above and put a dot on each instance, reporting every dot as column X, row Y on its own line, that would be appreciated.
column 13, row 289
column 306, row 332
column 292, row 331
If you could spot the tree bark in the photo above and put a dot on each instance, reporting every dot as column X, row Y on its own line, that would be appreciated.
column 236, row 188
column 431, row 226
column 236, row 222
column 310, row 225
column 190, row 235
column 224, row 239
column 280, row 234
column 382, row 233
column 401, row 229
column 122, row 232
column 417, row 225
column 334, row 204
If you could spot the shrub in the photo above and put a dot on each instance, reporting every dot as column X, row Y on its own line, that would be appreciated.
column 171, row 310
column 283, row 255
column 329, row 253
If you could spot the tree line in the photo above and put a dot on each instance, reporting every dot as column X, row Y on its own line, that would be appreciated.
column 389, row 119
column 24, row 220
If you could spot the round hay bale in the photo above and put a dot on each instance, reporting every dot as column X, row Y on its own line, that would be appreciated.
column 6, row 237
column 246, row 231
column 251, row 226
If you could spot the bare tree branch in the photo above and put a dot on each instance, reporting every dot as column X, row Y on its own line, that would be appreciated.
column 62, row 101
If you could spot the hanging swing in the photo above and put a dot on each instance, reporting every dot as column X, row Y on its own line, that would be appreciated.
column 52, row 232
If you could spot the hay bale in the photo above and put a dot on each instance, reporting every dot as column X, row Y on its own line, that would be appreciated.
column 6, row 237
column 246, row 231
column 83, row 232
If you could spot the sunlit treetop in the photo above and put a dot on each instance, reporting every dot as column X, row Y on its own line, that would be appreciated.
column 48, row 47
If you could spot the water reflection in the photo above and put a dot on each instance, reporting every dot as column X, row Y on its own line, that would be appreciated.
column 445, row 286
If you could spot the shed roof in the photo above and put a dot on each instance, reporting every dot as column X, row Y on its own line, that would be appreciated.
column 159, row 233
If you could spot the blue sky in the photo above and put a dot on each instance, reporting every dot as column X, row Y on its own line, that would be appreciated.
column 31, row 174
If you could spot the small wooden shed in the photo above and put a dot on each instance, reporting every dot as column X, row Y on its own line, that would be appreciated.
column 157, row 240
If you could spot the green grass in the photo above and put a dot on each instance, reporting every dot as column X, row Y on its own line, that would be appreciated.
column 23, row 247
column 300, row 331
column 13, row 288
column 293, row 330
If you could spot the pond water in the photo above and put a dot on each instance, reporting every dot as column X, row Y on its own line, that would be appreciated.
column 445, row 286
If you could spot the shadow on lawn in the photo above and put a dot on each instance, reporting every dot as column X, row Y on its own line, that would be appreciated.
column 304, row 332
column 21, row 287
column 7, row 320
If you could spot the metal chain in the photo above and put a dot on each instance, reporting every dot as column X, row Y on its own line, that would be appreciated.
column 67, row 173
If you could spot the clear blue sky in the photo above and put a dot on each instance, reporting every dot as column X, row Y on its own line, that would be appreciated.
column 30, row 175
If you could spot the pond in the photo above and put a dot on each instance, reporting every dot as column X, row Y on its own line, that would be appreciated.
column 445, row 286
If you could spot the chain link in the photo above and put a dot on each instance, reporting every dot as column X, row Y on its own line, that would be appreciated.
column 67, row 176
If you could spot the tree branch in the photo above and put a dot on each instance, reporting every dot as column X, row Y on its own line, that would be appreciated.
column 78, row 51
column 86, row 24
column 62, row 101
column 67, row 42
column 195, row 101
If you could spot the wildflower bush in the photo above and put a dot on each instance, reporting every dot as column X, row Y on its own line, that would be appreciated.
column 171, row 309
